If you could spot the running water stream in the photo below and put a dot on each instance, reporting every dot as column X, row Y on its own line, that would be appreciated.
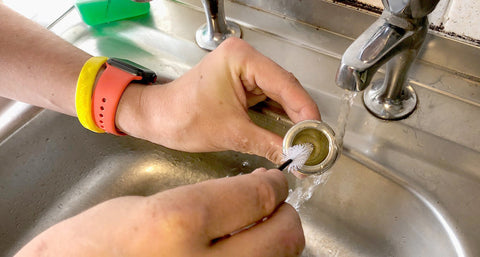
column 347, row 102
column 305, row 188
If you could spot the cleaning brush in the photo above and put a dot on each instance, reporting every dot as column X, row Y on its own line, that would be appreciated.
column 296, row 156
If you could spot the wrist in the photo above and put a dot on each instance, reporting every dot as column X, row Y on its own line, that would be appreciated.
column 110, row 84
column 130, row 115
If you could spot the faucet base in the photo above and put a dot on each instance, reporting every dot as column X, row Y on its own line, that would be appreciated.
column 209, row 40
column 387, row 108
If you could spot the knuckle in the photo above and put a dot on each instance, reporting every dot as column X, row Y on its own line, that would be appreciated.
column 291, row 78
column 273, row 154
column 171, row 218
column 238, row 140
column 266, row 196
column 233, row 43
column 236, row 47
column 281, row 180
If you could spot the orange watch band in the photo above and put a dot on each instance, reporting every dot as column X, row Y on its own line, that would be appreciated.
column 106, row 96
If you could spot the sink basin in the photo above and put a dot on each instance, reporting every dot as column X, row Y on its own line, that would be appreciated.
column 403, row 188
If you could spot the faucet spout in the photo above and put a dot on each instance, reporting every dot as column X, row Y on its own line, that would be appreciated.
column 217, row 29
column 377, row 45
column 395, row 40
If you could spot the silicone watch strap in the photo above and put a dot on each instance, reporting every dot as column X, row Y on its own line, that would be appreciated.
column 107, row 93
column 83, row 93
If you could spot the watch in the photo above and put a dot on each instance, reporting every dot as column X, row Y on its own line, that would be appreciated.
column 118, row 74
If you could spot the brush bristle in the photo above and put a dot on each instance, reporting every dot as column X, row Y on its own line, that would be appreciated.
column 299, row 154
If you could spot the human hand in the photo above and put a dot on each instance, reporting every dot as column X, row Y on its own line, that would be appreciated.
column 206, row 108
column 205, row 219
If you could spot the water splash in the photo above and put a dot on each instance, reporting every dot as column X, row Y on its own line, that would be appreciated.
column 304, row 189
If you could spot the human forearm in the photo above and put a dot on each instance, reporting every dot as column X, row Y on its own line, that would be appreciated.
column 37, row 66
column 203, row 110
column 186, row 221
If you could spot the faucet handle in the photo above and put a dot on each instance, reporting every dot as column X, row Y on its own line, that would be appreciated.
column 412, row 9
column 395, row 40
column 217, row 29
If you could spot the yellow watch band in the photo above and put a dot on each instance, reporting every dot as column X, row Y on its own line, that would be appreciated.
column 83, row 94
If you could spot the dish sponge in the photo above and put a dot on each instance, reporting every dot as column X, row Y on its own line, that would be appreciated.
column 96, row 12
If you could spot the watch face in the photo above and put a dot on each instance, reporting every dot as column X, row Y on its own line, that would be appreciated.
column 148, row 76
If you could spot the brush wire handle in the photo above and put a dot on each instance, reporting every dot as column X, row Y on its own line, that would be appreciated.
column 285, row 164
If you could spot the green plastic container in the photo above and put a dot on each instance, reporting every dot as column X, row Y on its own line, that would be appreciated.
column 96, row 12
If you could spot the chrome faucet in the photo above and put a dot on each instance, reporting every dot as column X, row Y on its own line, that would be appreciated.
column 217, row 29
column 395, row 39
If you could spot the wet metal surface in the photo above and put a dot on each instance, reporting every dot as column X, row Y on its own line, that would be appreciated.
column 402, row 188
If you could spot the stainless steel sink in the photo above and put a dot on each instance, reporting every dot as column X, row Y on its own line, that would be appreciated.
column 402, row 188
